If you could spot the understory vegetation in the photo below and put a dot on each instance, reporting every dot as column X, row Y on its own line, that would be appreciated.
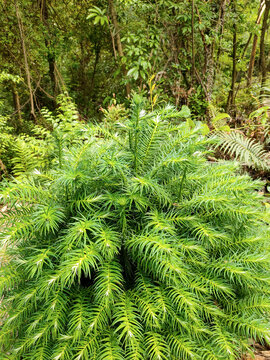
column 210, row 56
column 132, row 244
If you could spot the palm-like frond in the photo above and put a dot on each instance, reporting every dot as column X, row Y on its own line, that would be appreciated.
column 135, row 249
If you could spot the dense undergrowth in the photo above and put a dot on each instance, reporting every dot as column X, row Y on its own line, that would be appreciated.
column 32, row 146
column 131, row 245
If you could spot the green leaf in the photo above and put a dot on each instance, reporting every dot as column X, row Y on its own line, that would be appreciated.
column 220, row 117
column 185, row 112
column 205, row 129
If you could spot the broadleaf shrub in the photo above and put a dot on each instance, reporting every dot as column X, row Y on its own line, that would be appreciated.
column 135, row 247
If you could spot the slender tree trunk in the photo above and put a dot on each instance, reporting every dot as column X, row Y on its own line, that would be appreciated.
column 230, row 101
column 92, row 82
column 239, row 74
column 51, row 62
column 220, row 35
column 210, row 65
column 16, row 101
column 113, row 40
column 252, row 60
column 118, row 40
column 44, row 14
column 193, row 41
column 27, row 71
column 254, row 46
column 262, row 44
column 210, row 72
column 204, row 42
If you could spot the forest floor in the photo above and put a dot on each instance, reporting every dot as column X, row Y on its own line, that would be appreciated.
column 260, row 353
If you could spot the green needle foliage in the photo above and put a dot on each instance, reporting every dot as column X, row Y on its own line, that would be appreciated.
column 135, row 247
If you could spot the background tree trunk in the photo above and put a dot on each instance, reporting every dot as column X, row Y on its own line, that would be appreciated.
column 231, row 98
column 44, row 14
column 220, row 35
column 262, row 44
column 193, row 41
column 118, row 40
column 254, row 45
column 16, row 101
column 27, row 71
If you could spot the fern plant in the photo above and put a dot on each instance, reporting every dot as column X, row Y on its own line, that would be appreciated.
column 248, row 151
column 6, row 139
column 31, row 152
column 135, row 248
column 250, row 146
column 36, row 147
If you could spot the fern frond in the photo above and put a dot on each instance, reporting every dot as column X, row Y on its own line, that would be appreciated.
column 248, row 151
